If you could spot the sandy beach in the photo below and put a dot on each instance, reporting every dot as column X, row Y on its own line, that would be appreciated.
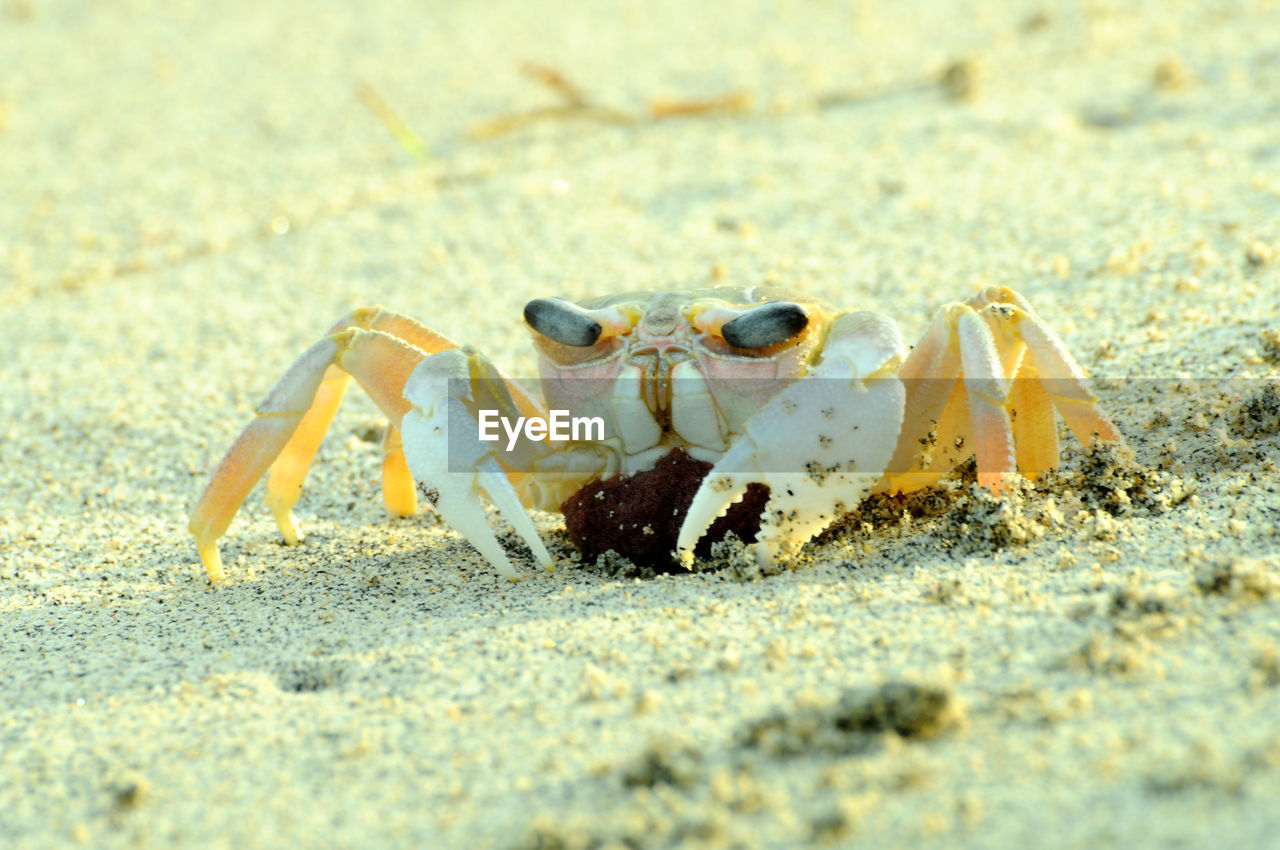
column 190, row 196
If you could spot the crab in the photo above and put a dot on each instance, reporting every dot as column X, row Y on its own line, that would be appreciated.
column 822, row 407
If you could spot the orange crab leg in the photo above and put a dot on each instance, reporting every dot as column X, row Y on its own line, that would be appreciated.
column 289, row 470
column 380, row 350
column 1066, row 383
column 381, row 359
column 958, row 377
column 988, row 393
column 950, row 438
column 278, row 416
column 398, row 491
column 1035, row 428
column 955, row 379
column 929, row 377
column 381, row 364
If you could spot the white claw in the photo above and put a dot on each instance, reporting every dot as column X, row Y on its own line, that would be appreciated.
column 820, row 445
column 840, row 464
column 453, row 472
column 455, row 495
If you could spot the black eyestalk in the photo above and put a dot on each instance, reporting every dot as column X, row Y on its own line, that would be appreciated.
column 766, row 325
column 559, row 320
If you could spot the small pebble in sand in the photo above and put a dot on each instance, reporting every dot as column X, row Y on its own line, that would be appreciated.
column 1259, row 253
column 1271, row 344
column 1172, row 74
column 1258, row 416
column 966, row 78
column 855, row 721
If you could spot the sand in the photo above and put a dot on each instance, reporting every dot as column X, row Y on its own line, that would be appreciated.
column 190, row 195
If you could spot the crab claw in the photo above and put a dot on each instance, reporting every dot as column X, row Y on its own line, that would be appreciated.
column 851, row 404
column 451, row 466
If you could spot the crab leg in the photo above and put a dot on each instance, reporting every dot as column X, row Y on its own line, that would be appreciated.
column 290, row 424
column 930, row 376
column 855, row 399
column 956, row 379
column 958, row 383
column 1035, row 430
column 278, row 416
column 988, row 396
column 385, row 384
column 289, row 469
column 380, row 349
column 398, row 492
column 1065, row 382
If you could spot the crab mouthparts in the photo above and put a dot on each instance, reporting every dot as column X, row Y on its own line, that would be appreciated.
column 655, row 362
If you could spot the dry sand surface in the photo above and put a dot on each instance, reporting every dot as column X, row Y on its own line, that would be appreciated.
column 190, row 193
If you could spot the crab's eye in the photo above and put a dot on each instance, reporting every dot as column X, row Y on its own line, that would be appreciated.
column 766, row 325
column 567, row 324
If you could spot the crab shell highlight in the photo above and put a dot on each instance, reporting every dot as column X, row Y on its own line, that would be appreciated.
column 822, row 407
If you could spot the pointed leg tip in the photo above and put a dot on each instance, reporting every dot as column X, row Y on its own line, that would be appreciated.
column 399, row 511
column 290, row 529
column 997, row 482
column 212, row 560
column 1111, row 434
column 540, row 554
